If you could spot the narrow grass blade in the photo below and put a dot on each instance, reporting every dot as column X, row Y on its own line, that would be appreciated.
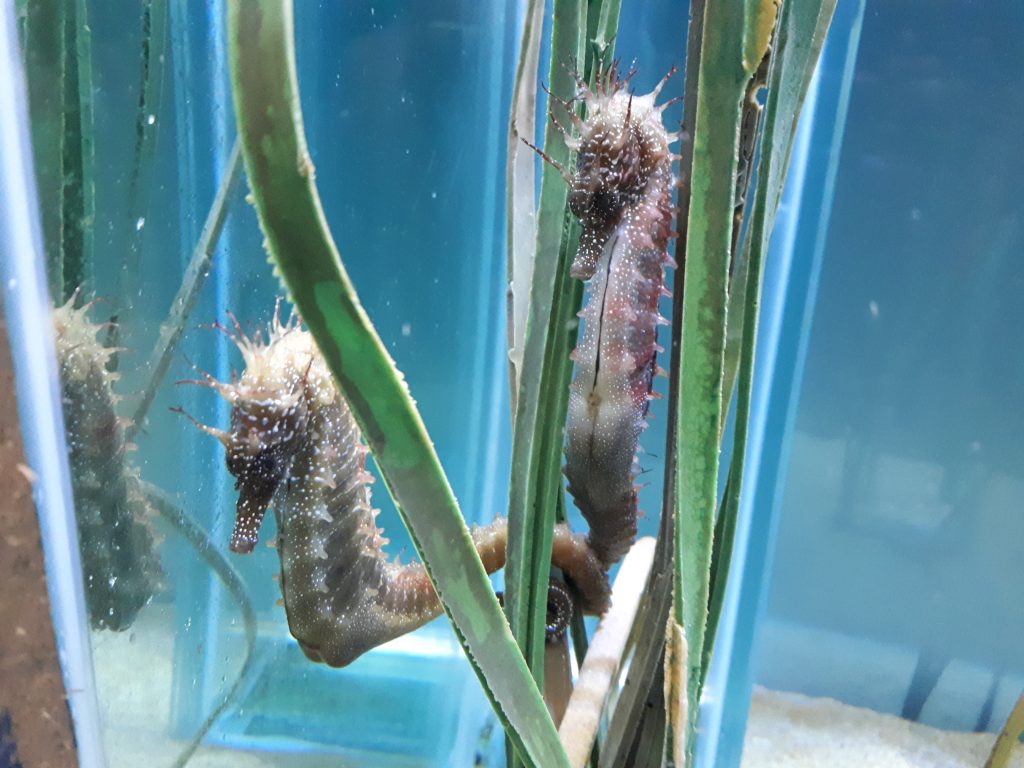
column 147, row 126
column 269, row 118
column 663, row 584
column 45, row 58
column 535, row 485
column 726, row 65
column 721, row 556
column 538, row 425
column 1007, row 740
column 79, row 155
column 802, row 28
column 602, row 28
column 201, row 544
column 801, row 33
column 521, row 192
column 188, row 292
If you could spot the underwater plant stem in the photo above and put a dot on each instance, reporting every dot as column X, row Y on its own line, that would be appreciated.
column 535, row 478
column 520, row 193
column 721, row 555
column 200, row 542
column 188, row 293
column 642, row 697
column 147, row 125
column 802, row 25
column 45, row 56
column 723, row 76
column 602, row 27
column 578, row 730
column 79, row 200
column 280, row 171
column 538, row 433
column 1008, row 737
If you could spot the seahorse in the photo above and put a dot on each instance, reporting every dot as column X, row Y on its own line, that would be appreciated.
column 120, row 564
column 294, row 445
column 621, row 191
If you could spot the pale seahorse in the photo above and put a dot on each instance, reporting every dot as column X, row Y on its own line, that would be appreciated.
column 621, row 191
column 294, row 445
column 120, row 564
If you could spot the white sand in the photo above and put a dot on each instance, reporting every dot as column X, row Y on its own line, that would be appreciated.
column 788, row 730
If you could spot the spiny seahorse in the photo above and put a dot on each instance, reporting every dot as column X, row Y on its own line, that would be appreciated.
column 120, row 564
column 294, row 445
column 621, row 191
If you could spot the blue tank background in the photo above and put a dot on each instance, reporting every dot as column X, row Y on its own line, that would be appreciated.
column 896, row 581
column 406, row 111
column 893, row 477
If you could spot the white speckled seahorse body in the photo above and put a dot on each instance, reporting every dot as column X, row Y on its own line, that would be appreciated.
column 622, row 194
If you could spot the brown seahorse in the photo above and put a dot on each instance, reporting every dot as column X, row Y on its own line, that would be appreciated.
column 120, row 562
column 621, row 191
column 293, row 444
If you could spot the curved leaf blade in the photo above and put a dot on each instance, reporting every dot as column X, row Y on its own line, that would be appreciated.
column 265, row 93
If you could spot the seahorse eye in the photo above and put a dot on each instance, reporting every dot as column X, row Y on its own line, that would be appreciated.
column 580, row 201
column 606, row 202
column 267, row 464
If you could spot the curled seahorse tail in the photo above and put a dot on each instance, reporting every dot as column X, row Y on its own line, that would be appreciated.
column 583, row 568
column 570, row 552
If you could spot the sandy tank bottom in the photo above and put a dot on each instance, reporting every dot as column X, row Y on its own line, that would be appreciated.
column 788, row 730
column 785, row 730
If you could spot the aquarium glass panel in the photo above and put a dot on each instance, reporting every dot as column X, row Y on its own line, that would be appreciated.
column 896, row 583
column 406, row 115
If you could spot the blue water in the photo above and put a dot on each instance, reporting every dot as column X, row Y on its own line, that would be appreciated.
column 884, row 535
column 893, row 582
column 406, row 111
column 406, row 115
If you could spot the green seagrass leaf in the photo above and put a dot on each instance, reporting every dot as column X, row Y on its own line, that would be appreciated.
column 535, row 485
column 721, row 84
column 266, row 100
column 801, row 34
column 800, row 30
